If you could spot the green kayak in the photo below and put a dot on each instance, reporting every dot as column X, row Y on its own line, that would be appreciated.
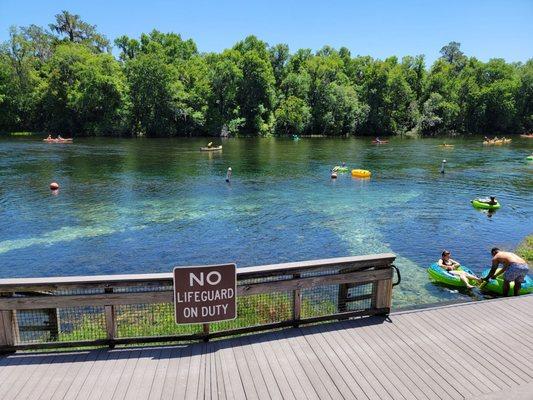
column 479, row 203
column 496, row 285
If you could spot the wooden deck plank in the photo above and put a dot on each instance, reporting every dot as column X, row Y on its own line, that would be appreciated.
column 204, row 382
column 317, row 370
column 171, row 376
column 463, row 357
column 337, row 372
column 372, row 369
column 17, row 379
column 361, row 363
column 105, row 373
column 517, row 325
column 436, row 357
column 378, row 356
column 423, row 354
column 72, row 371
column 258, row 376
column 33, row 385
column 352, row 365
column 277, row 386
column 193, row 377
column 472, row 347
column 147, row 366
column 119, row 390
column 232, row 377
column 112, row 380
column 244, row 371
column 93, row 379
column 477, row 328
column 221, row 387
column 54, row 377
column 400, row 362
column 439, row 353
column 286, row 356
column 163, row 360
column 452, row 351
column 412, row 361
column 285, row 376
column 180, row 386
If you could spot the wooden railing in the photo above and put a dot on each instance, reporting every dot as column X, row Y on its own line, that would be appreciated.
column 296, row 280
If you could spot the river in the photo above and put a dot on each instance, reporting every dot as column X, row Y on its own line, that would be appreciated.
column 147, row 205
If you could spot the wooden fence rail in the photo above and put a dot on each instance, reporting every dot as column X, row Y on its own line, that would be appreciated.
column 110, row 291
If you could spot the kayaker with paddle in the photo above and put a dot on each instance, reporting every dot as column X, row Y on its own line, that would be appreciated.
column 445, row 262
column 515, row 268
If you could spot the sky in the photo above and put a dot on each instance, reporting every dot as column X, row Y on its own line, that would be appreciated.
column 380, row 28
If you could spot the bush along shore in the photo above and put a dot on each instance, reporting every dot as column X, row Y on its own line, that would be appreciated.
column 525, row 249
column 64, row 79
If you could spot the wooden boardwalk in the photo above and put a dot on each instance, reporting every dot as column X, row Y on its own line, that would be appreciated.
column 462, row 351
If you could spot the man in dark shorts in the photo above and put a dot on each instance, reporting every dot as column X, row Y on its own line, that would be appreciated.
column 514, row 268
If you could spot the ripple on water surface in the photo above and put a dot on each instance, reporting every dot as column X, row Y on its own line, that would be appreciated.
column 132, row 206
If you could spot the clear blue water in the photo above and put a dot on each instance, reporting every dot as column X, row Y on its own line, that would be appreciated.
column 147, row 205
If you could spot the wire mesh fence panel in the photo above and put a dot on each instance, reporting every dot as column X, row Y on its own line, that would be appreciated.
column 81, row 323
column 259, row 309
column 319, row 301
column 357, row 294
column 60, row 325
column 140, row 320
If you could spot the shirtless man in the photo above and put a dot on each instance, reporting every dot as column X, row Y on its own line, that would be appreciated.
column 515, row 269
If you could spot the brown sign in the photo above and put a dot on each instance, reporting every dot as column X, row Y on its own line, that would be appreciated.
column 205, row 294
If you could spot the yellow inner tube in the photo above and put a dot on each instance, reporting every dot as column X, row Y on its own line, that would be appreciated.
column 361, row 173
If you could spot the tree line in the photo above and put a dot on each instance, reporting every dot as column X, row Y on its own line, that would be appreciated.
column 65, row 79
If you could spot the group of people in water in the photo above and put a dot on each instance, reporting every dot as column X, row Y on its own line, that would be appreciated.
column 514, row 269
column 49, row 138
column 496, row 140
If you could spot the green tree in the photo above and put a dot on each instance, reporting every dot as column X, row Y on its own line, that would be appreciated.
column 83, row 92
column 292, row 116
column 78, row 31
column 255, row 93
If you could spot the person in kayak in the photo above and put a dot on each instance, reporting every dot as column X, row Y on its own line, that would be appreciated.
column 515, row 268
column 445, row 262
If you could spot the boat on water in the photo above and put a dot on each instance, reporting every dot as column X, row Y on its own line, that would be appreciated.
column 58, row 140
column 527, row 136
column 211, row 148
column 380, row 141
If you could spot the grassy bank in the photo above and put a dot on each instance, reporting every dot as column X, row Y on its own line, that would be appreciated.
column 525, row 249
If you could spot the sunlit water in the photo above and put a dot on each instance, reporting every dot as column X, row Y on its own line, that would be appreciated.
column 136, row 206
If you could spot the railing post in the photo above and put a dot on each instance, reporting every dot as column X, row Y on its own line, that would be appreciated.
column 382, row 295
column 53, row 323
column 296, row 304
column 205, row 330
column 7, row 338
column 110, row 321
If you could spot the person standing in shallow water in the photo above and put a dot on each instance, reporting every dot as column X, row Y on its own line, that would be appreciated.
column 515, row 268
column 445, row 262
column 228, row 175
